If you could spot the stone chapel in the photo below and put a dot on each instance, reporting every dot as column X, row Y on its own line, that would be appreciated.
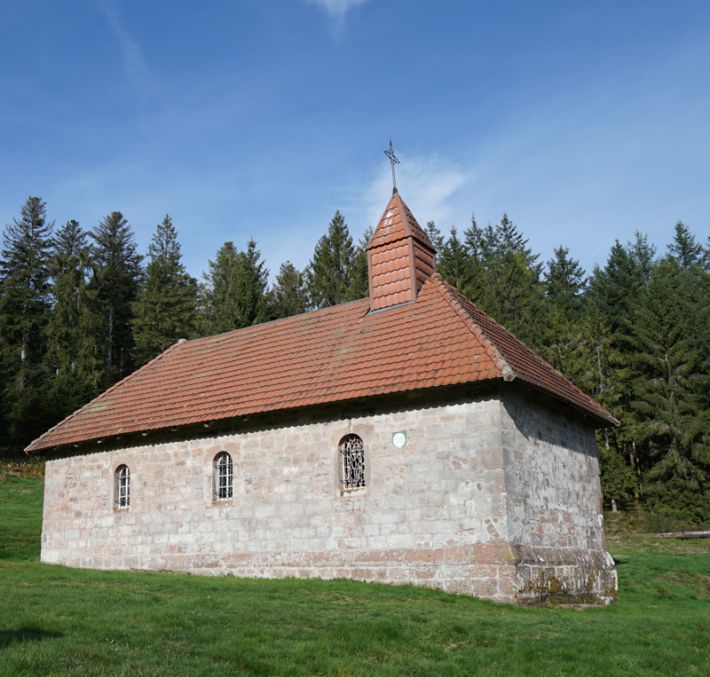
column 403, row 438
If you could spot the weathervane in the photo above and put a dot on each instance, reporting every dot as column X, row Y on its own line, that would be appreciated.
column 393, row 161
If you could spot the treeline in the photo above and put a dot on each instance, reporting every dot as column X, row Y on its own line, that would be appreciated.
column 635, row 335
column 81, row 309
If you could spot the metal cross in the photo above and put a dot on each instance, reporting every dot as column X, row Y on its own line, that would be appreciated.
column 393, row 161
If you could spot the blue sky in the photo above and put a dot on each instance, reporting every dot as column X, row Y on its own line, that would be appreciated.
column 585, row 121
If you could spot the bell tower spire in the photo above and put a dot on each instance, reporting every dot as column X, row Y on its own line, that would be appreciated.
column 400, row 256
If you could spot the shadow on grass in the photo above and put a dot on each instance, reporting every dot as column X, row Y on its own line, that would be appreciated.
column 26, row 634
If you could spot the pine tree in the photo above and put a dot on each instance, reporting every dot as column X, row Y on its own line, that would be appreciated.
column 513, row 274
column 435, row 236
column 619, row 482
column 329, row 274
column 24, row 313
column 236, row 289
column 114, row 285
column 71, row 353
column 480, row 246
column 667, row 420
column 453, row 263
column 359, row 287
column 564, row 283
column 219, row 292
column 481, row 242
column 685, row 249
column 165, row 310
column 643, row 254
column 564, row 286
column 617, row 287
column 252, row 278
column 510, row 239
column 288, row 295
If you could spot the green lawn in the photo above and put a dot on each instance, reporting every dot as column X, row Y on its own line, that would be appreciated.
column 64, row 621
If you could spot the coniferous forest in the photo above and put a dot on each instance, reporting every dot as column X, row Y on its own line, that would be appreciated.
column 81, row 308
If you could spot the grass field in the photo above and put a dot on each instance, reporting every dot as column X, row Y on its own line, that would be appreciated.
column 55, row 620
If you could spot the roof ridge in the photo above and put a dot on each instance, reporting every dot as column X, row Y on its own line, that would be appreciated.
column 450, row 295
column 106, row 392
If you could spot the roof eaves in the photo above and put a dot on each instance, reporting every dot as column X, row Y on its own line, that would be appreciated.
column 597, row 412
column 34, row 444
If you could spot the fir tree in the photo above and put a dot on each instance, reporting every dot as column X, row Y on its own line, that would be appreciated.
column 435, row 236
column 71, row 353
column 24, row 313
column 480, row 246
column 564, row 285
column 666, row 418
column 252, row 277
column 513, row 275
column 114, row 285
column 220, row 291
column 481, row 242
column 359, row 287
column 288, row 295
column 167, row 298
column 619, row 482
column 684, row 248
column 329, row 274
column 236, row 289
column 510, row 240
column 453, row 263
column 643, row 254
column 616, row 288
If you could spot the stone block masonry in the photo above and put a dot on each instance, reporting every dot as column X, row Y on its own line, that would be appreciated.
column 496, row 497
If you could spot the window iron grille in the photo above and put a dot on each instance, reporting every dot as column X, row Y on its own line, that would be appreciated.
column 352, row 451
column 223, row 477
column 123, row 487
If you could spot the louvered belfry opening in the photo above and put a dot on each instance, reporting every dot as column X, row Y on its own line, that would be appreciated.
column 400, row 257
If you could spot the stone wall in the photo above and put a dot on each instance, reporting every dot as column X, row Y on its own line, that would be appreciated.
column 432, row 513
column 554, row 503
column 452, row 509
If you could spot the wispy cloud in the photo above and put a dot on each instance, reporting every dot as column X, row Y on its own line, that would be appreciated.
column 431, row 185
column 337, row 9
column 134, row 63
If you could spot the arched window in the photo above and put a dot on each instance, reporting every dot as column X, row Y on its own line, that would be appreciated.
column 352, row 452
column 223, row 475
column 122, row 489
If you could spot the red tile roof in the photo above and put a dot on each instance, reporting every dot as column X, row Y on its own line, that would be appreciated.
column 330, row 355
